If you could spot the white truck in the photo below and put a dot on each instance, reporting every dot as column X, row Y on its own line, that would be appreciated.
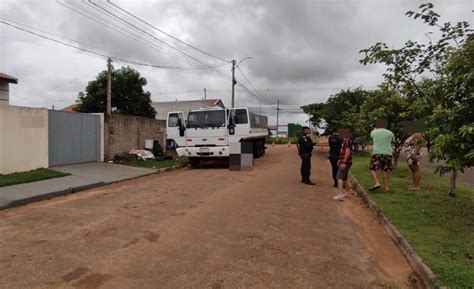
column 207, row 132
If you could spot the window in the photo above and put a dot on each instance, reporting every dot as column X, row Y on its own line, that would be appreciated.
column 240, row 116
column 173, row 119
column 207, row 118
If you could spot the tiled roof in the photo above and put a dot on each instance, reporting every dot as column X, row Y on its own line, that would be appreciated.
column 70, row 108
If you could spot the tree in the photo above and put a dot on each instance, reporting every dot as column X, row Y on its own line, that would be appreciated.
column 128, row 96
column 451, row 125
column 447, row 96
column 338, row 111
column 389, row 105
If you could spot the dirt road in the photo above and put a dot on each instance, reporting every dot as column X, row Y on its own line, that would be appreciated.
column 205, row 228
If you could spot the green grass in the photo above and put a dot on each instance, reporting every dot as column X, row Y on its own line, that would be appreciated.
column 28, row 177
column 153, row 164
column 440, row 228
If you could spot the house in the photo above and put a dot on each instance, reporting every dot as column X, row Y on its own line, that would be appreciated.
column 163, row 107
column 5, row 81
column 70, row 108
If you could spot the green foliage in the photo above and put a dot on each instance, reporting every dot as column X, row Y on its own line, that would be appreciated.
column 128, row 96
column 282, row 140
column 28, row 177
column 447, row 98
column 439, row 227
column 339, row 111
column 389, row 105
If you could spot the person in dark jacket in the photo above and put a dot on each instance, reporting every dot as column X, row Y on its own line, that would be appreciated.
column 305, row 148
column 335, row 143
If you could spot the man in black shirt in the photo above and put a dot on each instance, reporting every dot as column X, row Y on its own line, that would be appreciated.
column 305, row 148
column 334, row 148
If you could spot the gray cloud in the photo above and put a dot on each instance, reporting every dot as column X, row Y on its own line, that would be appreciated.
column 294, row 44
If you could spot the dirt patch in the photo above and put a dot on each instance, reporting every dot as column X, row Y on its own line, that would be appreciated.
column 92, row 281
column 389, row 263
column 76, row 274
column 257, row 229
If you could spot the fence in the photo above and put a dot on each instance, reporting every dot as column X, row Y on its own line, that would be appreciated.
column 73, row 137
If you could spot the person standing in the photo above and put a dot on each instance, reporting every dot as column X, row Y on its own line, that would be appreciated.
column 305, row 149
column 382, row 151
column 344, row 164
column 334, row 142
column 412, row 147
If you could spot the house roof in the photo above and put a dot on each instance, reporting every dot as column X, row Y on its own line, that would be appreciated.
column 210, row 102
column 70, row 108
column 8, row 78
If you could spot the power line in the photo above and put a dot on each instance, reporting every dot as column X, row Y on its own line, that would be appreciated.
column 167, row 34
column 102, row 54
column 261, row 97
column 155, row 38
column 126, row 33
column 145, row 32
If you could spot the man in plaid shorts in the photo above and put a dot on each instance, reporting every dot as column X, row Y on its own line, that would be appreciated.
column 381, row 154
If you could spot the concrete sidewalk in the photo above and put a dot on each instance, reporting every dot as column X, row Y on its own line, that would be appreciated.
column 83, row 176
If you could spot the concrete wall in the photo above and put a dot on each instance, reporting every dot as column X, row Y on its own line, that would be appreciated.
column 23, row 139
column 123, row 133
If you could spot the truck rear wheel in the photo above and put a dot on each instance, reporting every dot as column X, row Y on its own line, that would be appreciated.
column 194, row 162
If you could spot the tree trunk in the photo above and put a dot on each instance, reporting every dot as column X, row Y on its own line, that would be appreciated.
column 452, row 184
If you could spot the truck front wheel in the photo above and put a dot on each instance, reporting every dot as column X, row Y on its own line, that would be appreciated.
column 194, row 162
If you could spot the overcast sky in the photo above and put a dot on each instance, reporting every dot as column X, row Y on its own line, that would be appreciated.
column 302, row 50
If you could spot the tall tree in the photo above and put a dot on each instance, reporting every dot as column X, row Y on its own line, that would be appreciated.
column 337, row 111
column 389, row 105
column 447, row 96
column 128, row 95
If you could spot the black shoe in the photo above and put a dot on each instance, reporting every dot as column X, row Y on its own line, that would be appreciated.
column 335, row 185
column 310, row 183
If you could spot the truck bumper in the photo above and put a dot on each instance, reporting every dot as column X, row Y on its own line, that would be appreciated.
column 204, row 152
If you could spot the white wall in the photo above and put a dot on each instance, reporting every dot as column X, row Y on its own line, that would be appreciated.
column 23, row 139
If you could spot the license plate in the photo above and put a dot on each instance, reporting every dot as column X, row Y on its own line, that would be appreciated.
column 204, row 150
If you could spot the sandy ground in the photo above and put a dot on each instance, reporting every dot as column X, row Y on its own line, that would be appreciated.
column 204, row 228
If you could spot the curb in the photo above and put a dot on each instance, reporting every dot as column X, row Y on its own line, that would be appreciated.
column 77, row 189
column 426, row 275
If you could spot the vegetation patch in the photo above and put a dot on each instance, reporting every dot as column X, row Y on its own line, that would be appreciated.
column 439, row 227
column 28, row 177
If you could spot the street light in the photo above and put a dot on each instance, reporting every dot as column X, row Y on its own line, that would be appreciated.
column 233, row 75
column 246, row 58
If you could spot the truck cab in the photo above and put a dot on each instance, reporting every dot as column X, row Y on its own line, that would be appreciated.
column 207, row 132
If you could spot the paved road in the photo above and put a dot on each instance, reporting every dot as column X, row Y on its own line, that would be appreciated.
column 205, row 228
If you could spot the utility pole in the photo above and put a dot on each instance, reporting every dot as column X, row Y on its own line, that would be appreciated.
column 109, row 88
column 278, row 112
column 233, row 81
column 205, row 98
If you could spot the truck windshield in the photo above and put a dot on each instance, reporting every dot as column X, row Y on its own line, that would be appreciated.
column 207, row 118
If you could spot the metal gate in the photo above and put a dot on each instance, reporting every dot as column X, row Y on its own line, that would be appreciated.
column 73, row 137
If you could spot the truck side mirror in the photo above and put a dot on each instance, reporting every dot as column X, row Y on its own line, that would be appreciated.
column 231, row 128
column 181, row 127
column 231, row 125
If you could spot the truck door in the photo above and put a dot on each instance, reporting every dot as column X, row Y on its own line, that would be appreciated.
column 241, row 121
column 173, row 122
